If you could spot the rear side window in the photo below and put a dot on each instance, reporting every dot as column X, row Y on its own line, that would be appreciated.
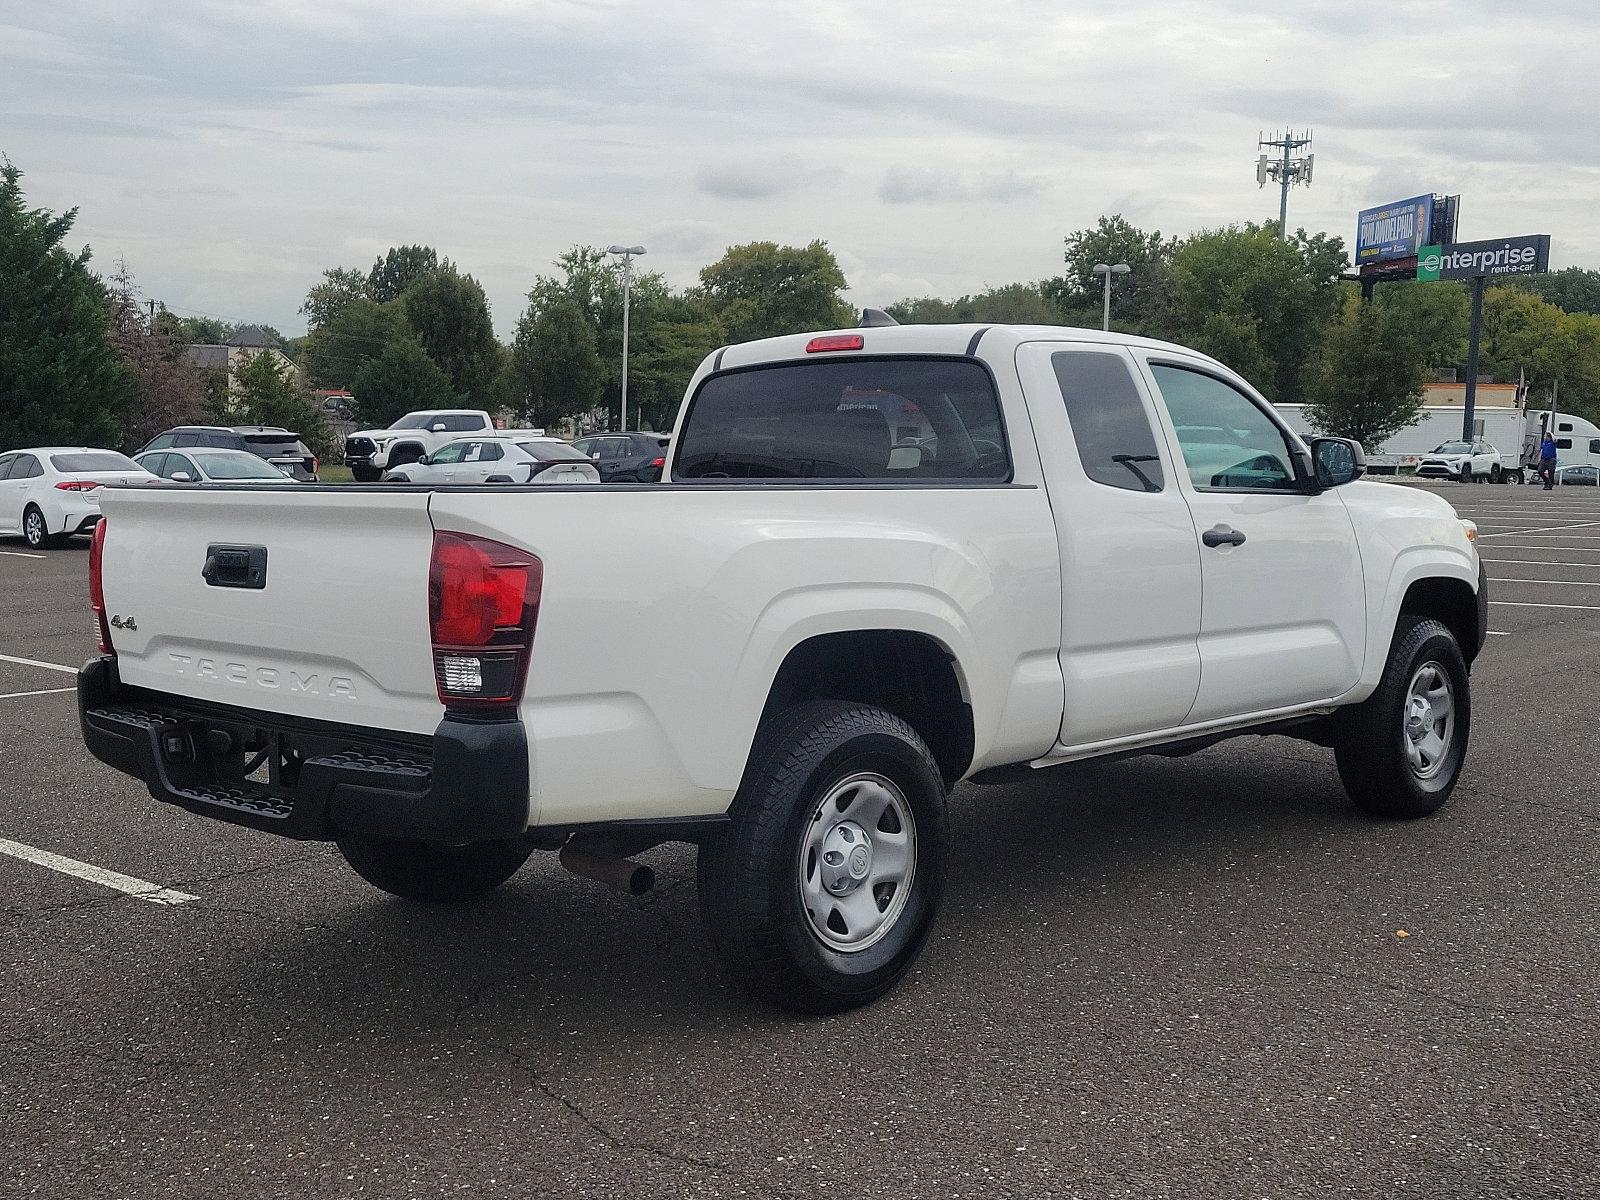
column 875, row 420
column 160, row 443
column 460, row 422
column 7, row 461
column 1109, row 421
column 1563, row 443
column 96, row 460
column 27, row 467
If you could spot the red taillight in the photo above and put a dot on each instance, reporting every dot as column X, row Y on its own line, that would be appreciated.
column 483, row 605
column 316, row 464
column 834, row 341
column 97, row 591
column 76, row 485
column 658, row 462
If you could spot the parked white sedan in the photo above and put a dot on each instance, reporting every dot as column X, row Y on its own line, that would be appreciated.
column 48, row 493
column 506, row 458
column 198, row 464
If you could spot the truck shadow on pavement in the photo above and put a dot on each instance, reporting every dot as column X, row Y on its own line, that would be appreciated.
column 1071, row 860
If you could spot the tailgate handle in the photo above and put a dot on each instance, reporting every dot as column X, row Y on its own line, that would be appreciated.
column 236, row 566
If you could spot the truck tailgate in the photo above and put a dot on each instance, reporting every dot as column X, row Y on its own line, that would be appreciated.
column 337, row 629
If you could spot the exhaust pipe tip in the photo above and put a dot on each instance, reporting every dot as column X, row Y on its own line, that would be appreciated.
column 620, row 874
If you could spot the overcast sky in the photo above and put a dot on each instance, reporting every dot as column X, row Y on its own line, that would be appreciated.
column 231, row 150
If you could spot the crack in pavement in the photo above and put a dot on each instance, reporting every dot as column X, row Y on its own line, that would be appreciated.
column 612, row 1138
column 1357, row 979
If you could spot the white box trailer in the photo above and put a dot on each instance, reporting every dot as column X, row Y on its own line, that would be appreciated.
column 1503, row 428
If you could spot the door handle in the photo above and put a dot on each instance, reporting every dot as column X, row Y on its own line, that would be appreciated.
column 1222, row 536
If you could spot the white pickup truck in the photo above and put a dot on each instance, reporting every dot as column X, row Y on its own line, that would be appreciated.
column 880, row 562
column 370, row 452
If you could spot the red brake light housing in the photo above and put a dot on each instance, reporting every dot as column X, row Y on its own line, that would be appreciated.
column 658, row 462
column 97, row 591
column 835, row 341
column 76, row 485
column 483, row 607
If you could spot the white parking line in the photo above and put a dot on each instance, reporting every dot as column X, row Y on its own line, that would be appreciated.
column 1545, row 528
column 139, row 889
column 1531, row 604
column 41, row 692
column 34, row 662
column 22, row 554
column 1551, row 582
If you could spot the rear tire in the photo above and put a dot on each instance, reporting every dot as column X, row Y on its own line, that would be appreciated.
column 821, row 894
column 35, row 531
column 1400, row 751
column 431, row 873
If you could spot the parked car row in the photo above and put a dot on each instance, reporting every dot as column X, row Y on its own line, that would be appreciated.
column 47, row 494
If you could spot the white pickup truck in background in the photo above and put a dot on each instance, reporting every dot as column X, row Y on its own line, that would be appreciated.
column 370, row 452
column 880, row 562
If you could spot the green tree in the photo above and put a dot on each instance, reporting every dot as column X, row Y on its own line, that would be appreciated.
column 1012, row 304
column 400, row 380
column 1366, row 382
column 169, row 389
column 1137, row 298
column 340, row 287
column 556, row 362
column 450, row 316
column 333, row 355
column 1571, row 289
column 763, row 289
column 208, row 331
column 267, row 393
column 1436, row 313
column 397, row 270
column 61, row 379
column 1288, row 289
column 673, row 339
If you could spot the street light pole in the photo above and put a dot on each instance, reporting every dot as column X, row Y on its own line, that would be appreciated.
column 626, row 253
column 1108, row 270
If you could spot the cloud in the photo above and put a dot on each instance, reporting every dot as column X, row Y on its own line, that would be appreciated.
column 931, row 185
column 933, row 152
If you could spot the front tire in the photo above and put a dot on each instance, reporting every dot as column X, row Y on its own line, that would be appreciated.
column 821, row 894
column 1494, row 474
column 1466, row 472
column 431, row 873
column 1402, row 749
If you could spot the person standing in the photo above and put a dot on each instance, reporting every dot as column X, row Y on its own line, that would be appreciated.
column 1547, row 460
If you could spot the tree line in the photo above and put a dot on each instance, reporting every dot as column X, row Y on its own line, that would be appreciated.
column 82, row 360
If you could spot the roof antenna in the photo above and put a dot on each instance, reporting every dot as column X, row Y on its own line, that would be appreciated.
column 876, row 318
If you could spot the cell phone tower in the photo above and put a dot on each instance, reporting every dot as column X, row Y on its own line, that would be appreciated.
column 1284, row 168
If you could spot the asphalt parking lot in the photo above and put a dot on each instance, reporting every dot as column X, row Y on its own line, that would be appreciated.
column 1206, row 976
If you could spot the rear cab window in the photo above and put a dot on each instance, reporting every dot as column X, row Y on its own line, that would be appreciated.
column 906, row 419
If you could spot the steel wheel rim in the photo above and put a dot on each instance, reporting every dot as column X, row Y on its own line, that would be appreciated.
column 857, row 863
column 1428, row 720
column 34, row 527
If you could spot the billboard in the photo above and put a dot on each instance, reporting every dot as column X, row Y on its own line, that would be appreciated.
column 1526, row 255
column 1393, row 231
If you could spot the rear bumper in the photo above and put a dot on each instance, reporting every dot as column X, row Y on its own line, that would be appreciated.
column 468, row 782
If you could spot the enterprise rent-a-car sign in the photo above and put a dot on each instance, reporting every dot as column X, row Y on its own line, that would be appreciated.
column 1503, row 256
column 1393, row 231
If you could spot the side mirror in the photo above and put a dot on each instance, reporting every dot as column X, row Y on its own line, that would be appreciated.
column 1338, row 460
column 424, row 461
column 181, row 477
column 437, row 427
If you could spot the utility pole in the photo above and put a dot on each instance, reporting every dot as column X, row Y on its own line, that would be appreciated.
column 1468, row 410
column 1285, row 169
column 626, row 253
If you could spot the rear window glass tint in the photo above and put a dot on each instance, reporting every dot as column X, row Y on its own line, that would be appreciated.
column 874, row 420
column 1109, row 424
column 273, row 444
column 103, row 460
column 554, row 452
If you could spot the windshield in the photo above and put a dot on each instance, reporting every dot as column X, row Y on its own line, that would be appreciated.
column 414, row 421
column 94, row 460
column 1454, row 448
column 237, row 466
column 553, row 451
